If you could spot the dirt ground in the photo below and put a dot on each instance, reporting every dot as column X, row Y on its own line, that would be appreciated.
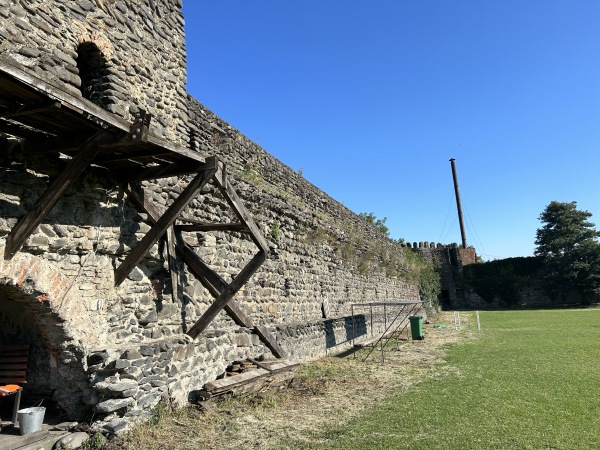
column 324, row 393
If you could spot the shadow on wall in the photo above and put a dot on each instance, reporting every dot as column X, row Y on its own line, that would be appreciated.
column 351, row 329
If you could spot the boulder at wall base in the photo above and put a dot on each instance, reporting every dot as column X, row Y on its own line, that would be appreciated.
column 71, row 441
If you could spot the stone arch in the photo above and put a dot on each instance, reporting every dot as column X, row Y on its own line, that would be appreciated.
column 31, row 294
column 94, row 73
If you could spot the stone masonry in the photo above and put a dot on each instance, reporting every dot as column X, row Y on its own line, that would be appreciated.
column 117, row 351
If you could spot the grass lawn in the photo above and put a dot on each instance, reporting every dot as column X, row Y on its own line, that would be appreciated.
column 532, row 381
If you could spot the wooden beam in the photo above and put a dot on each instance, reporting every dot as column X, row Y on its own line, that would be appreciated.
column 23, row 132
column 239, row 227
column 26, row 112
column 172, row 262
column 216, row 286
column 211, row 280
column 166, row 220
column 208, row 277
column 266, row 336
column 225, row 296
column 137, row 194
column 160, row 171
column 240, row 211
column 27, row 224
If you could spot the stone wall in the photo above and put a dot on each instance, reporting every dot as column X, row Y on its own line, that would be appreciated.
column 118, row 350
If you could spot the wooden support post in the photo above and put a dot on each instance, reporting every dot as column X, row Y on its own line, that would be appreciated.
column 28, row 223
column 166, row 220
column 172, row 262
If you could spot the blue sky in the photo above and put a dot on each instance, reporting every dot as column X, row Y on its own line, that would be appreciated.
column 370, row 99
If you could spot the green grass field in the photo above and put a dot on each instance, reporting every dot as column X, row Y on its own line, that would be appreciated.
column 531, row 381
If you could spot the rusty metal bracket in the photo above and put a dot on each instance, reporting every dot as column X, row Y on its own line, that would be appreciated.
column 140, row 126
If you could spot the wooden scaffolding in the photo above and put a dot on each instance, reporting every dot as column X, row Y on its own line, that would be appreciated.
column 53, row 122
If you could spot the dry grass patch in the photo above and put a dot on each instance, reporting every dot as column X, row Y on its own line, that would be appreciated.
column 327, row 392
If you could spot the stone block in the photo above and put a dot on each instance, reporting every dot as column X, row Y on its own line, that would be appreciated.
column 108, row 406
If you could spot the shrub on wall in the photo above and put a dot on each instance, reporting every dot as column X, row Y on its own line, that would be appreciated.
column 427, row 275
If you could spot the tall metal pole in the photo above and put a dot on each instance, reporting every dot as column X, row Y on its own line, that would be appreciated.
column 458, row 205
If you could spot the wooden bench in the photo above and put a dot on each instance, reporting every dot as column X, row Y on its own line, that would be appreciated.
column 13, row 370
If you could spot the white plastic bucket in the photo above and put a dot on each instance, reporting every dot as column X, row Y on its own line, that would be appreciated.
column 30, row 419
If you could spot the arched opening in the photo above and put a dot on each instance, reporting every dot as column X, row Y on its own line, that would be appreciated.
column 93, row 72
column 54, row 376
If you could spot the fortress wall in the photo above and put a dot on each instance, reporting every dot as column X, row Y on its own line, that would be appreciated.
column 118, row 350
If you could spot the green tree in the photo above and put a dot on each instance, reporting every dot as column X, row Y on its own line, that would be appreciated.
column 568, row 244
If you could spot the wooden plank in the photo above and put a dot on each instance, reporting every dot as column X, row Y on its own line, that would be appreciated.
column 233, row 383
column 166, row 220
column 110, row 157
column 213, row 227
column 13, row 359
column 28, row 223
column 225, row 296
column 240, row 211
column 13, row 373
column 17, row 405
column 15, row 442
column 18, row 130
column 16, row 348
column 278, row 366
column 9, row 364
column 230, row 382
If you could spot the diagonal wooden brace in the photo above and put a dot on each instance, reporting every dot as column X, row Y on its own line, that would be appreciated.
column 29, row 222
column 166, row 220
column 238, row 208
column 227, row 294
column 216, row 286
column 211, row 280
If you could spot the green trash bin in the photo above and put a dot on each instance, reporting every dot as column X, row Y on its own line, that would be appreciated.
column 416, row 328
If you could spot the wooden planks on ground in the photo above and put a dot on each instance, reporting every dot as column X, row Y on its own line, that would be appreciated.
column 252, row 381
column 15, row 442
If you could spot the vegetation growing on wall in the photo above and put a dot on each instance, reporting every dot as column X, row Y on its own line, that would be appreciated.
column 379, row 224
column 427, row 275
